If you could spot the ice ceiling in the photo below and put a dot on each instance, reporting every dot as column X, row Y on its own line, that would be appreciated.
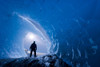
column 71, row 26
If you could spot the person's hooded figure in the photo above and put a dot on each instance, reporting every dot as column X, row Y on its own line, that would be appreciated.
column 33, row 47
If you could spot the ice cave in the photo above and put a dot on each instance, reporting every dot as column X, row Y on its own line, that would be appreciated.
column 68, row 28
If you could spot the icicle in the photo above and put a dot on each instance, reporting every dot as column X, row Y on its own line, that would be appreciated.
column 79, row 52
column 72, row 53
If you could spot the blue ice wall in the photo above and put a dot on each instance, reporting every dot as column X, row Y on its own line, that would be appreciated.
column 72, row 25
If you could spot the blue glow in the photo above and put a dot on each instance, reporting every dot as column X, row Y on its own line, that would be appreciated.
column 72, row 27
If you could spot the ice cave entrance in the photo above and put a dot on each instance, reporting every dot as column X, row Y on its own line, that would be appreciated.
column 42, row 44
column 38, row 35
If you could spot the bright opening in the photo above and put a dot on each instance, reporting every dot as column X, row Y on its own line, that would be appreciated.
column 40, row 41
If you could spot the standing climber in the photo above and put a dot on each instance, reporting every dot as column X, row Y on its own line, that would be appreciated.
column 33, row 47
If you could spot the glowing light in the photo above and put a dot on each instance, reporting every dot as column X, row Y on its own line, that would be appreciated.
column 41, row 43
column 30, row 36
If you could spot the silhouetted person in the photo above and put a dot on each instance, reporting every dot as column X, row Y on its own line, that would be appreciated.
column 33, row 47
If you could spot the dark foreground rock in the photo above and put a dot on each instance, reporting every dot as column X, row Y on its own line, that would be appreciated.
column 44, row 61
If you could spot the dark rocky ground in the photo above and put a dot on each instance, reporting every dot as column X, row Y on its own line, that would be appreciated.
column 44, row 61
